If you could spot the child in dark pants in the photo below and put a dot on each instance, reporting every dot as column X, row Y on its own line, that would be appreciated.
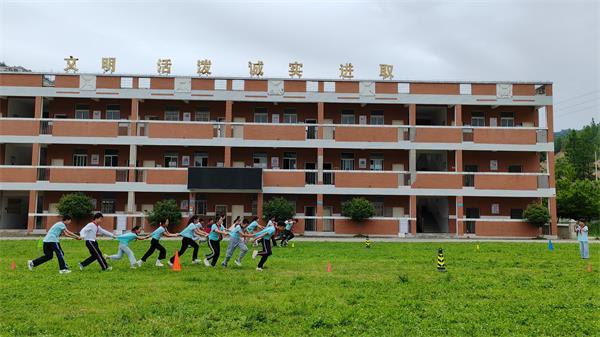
column 89, row 233
column 288, row 234
column 265, row 238
column 189, row 236
column 217, row 230
column 52, row 245
column 155, row 244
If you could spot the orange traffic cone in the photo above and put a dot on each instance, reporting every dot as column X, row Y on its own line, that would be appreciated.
column 589, row 268
column 13, row 265
column 329, row 267
column 176, row 264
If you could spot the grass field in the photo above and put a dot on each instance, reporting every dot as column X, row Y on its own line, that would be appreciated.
column 392, row 289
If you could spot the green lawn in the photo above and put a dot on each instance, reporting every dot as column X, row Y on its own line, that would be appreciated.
column 392, row 289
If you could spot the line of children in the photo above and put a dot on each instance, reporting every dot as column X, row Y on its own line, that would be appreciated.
column 288, row 234
column 52, row 246
column 236, row 240
column 265, row 239
column 155, row 244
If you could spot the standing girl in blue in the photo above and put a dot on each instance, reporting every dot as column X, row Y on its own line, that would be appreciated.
column 51, row 246
column 215, row 236
column 189, row 236
column 155, row 243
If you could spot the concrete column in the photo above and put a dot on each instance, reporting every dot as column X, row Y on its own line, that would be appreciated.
column 553, row 217
column 130, row 208
column 191, row 202
column 459, row 215
column 227, row 157
column 320, row 165
column 31, row 209
column 458, row 115
column 550, row 123
column 412, row 165
column 320, row 212
column 259, row 205
column 132, row 162
column 37, row 113
column 228, row 118
column 412, row 114
column 458, row 162
column 35, row 154
column 135, row 116
column 413, row 214
column 320, row 119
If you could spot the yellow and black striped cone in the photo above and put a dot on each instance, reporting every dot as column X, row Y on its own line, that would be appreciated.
column 367, row 243
column 441, row 262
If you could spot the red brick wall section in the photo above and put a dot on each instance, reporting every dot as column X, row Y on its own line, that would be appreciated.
column 528, row 160
column 390, row 157
column 523, row 114
column 333, row 111
column 157, row 108
column 65, row 151
column 203, row 84
column 294, row 86
column 67, row 106
column 20, row 80
column 66, row 81
column 434, row 88
column 303, row 110
column 386, row 87
column 166, row 83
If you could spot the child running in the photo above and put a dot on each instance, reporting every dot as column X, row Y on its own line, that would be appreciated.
column 236, row 240
column 89, row 233
column 265, row 238
column 287, row 232
column 124, row 240
column 155, row 244
column 217, row 230
column 52, row 245
column 188, row 238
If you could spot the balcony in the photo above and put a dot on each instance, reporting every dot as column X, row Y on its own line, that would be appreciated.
column 84, row 127
column 369, row 133
column 17, row 174
column 496, row 135
column 437, row 134
column 438, row 180
column 176, row 129
column 268, row 131
column 284, row 178
column 367, row 179
column 505, row 181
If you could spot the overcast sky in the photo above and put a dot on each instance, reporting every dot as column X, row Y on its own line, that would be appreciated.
column 549, row 40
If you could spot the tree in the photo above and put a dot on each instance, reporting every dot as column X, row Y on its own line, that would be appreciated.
column 165, row 209
column 536, row 214
column 279, row 208
column 77, row 205
column 579, row 149
column 358, row 209
column 578, row 199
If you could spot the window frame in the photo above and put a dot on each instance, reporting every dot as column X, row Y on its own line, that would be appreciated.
column 290, row 161
column 171, row 155
column 345, row 114
column 379, row 115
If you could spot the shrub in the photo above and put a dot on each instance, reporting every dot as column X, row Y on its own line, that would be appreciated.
column 279, row 208
column 536, row 214
column 165, row 209
column 77, row 205
column 358, row 209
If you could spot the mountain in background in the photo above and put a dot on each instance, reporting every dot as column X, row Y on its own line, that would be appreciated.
column 17, row 69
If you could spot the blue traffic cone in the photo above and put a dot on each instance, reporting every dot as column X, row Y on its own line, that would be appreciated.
column 550, row 245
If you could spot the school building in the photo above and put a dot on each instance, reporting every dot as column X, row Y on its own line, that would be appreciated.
column 453, row 159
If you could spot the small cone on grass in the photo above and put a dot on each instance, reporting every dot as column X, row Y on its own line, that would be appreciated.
column 293, row 245
column 441, row 262
column 329, row 267
column 589, row 268
column 13, row 265
column 176, row 264
column 478, row 247
column 550, row 245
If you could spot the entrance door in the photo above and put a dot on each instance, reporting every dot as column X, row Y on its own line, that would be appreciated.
column 471, row 213
column 328, row 130
column 238, row 129
column 310, row 177
column 221, row 211
column 327, row 176
column 14, row 214
column 219, row 128
column 469, row 179
column 328, row 225
column 237, row 210
column 311, row 131
column 310, row 225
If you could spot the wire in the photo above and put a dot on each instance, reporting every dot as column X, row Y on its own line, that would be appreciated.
column 590, row 109
column 572, row 98
column 580, row 103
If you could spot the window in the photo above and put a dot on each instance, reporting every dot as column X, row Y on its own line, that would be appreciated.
column 347, row 163
column 377, row 118
column 290, row 116
column 80, row 158
column 171, row 159
column 220, row 210
column 507, row 120
column 516, row 213
column 200, row 159
column 404, row 88
column 289, row 160
column 126, row 82
column 515, row 168
column 347, row 117
column 465, row 88
column 261, row 115
column 48, row 80
column 477, row 119
column 111, row 157
column 171, row 114
column 144, row 83
column 259, row 159
column 202, row 115
column 329, row 86
column 82, row 111
column 376, row 163
column 495, row 209
column 378, row 206
column 108, row 206
column 113, row 111
column 201, row 207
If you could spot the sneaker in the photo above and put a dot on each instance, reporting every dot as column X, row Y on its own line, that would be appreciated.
column 30, row 265
column 64, row 271
column 80, row 266
column 254, row 254
column 133, row 266
column 223, row 264
column 258, row 269
column 139, row 263
column 106, row 256
column 159, row 264
column 255, row 244
column 109, row 268
column 196, row 261
column 170, row 264
column 238, row 263
column 206, row 263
